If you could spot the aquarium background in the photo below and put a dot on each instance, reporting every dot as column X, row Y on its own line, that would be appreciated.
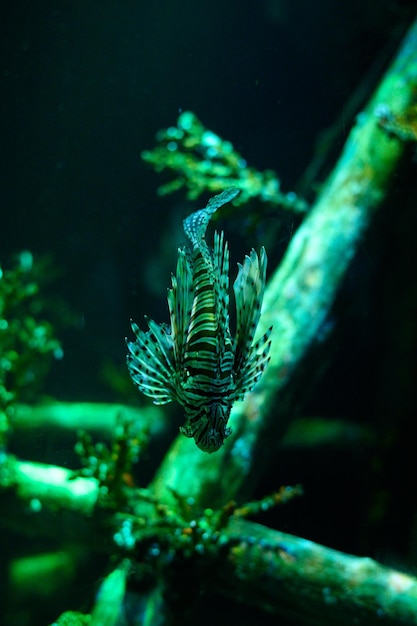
column 85, row 86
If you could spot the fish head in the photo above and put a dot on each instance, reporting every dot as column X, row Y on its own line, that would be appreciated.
column 212, row 429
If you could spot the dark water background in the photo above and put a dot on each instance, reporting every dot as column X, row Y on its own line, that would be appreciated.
column 84, row 88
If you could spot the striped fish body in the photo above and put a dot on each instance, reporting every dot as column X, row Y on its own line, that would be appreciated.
column 195, row 360
column 208, row 357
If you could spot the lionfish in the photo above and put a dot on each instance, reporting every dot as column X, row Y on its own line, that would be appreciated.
column 195, row 360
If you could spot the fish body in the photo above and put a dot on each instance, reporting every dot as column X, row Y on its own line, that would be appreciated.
column 195, row 360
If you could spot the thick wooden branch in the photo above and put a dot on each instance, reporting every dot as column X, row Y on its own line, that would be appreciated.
column 96, row 417
column 313, row 584
column 274, row 571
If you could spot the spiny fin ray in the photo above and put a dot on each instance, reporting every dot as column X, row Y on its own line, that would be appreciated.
column 180, row 301
column 249, row 289
column 151, row 362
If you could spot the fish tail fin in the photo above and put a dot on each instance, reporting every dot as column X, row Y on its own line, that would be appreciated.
column 195, row 225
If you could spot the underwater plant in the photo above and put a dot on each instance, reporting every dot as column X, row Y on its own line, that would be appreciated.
column 161, row 546
column 201, row 161
column 195, row 361
column 27, row 340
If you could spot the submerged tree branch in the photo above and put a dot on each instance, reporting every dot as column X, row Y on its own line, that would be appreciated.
column 96, row 417
column 313, row 584
column 271, row 570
